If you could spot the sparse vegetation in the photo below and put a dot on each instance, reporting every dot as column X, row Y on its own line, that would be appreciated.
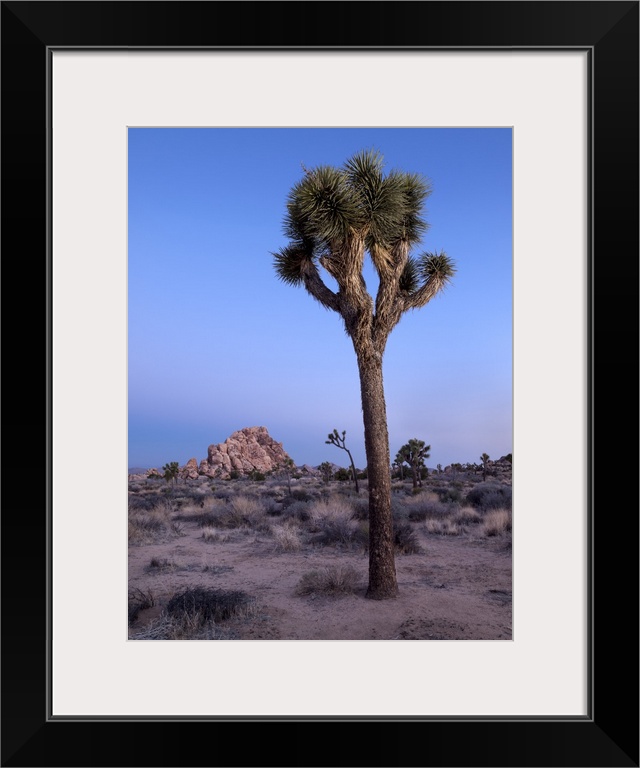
column 334, row 581
column 314, row 523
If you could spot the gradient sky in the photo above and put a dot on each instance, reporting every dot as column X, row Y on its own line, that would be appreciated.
column 217, row 342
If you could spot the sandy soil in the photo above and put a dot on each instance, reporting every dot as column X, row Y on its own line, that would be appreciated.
column 457, row 588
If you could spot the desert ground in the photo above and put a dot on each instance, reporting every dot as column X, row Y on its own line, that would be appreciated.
column 287, row 559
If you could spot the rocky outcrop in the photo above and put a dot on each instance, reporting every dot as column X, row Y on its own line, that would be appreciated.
column 190, row 470
column 244, row 451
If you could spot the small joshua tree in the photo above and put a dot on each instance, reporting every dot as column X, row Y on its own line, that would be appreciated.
column 287, row 468
column 339, row 442
column 485, row 463
column 171, row 471
column 327, row 471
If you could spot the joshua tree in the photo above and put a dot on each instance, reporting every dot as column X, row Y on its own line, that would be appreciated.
column 337, row 440
column 327, row 471
column 399, row 462
column 287, row 468
column 171, row 471
column 414, row 453
column 485, row 462
column 335, row 217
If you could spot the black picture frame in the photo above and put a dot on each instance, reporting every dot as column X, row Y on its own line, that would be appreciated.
column 608, row 736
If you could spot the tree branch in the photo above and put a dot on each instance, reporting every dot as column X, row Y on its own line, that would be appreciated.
column 314, row 285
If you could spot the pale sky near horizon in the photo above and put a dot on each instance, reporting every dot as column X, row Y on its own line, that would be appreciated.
column 216, row 342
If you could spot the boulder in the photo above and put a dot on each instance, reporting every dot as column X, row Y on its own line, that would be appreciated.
column 246, row 450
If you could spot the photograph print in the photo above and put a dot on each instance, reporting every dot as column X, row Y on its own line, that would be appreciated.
column 320, row 432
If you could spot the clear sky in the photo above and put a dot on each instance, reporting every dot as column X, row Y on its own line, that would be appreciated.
column 217, row 342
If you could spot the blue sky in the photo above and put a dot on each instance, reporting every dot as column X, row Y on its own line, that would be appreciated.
column 217, row 342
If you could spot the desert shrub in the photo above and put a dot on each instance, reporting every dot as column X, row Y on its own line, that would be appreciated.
column 467, row 515
column 446, row 527
column 287, row 538
column 449, row 494
column 332, row 521
column 361, row 535
column 143, row 501
column 244, row 511
column 209, row 605
column 490, row 495
column 296, row 510
column 405, row 539
column 186, row 626
column 300, row 494
column 160, row 564
column 360, row 509
column 426, row 506
column 497, row 522
column 211, row 533
column 138, row 600
column 151, row 526
column 334, row 581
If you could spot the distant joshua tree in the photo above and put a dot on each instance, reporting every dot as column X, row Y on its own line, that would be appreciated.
column 327, row 471
column 339, row 441
column 171, row 471
column 335, row 217
column 485, row 463
column 414, row 453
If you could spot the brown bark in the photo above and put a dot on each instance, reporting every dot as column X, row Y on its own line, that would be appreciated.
column 383, row 583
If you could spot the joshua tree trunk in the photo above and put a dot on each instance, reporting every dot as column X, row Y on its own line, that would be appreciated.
column 382, row 571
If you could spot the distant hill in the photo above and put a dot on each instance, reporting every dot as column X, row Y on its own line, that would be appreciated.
column 138, row 470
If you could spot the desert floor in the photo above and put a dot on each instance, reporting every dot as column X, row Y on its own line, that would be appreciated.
column 456, row 587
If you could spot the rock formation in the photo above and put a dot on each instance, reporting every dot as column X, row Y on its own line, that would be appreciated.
column 246, row 450
column 190, row 470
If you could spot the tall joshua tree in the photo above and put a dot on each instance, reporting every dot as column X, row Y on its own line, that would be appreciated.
column 335, row 217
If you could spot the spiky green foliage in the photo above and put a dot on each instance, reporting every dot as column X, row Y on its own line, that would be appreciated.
column 436, row 266
column 337, row 214
column 414, row 454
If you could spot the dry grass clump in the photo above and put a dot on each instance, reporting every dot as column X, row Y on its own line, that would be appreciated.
column 245, row 512
column 161, row 565
column 195, row 614
column 209, row 604
column 447, row 527
column 405, row 539
column 425, row 506
column 211, row 533
column 149, row 526
column 497, row 522
column 187, row 626
column 287, row 538
column 331, row 520
column 138, row 600
column 467, row 515
column 334, row 581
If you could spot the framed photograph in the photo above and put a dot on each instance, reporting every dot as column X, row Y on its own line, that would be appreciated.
column 561, row 79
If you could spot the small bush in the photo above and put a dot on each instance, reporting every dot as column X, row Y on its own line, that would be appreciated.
column 208, row 605
column 449, row 494
column 334, row 581
column 332, row 522
column 405, row 539
column 138, row 600
column 211, row 533
column 287, row 538
column 497, row 522
column 467, row 515
column 445, row 527
column 490, row 495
